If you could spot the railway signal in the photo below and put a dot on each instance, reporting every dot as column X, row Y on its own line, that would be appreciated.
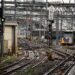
column 29, row 27
column 50, row 31
column 1, row 25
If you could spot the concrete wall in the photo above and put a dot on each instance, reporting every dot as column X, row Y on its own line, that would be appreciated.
column 10, row 37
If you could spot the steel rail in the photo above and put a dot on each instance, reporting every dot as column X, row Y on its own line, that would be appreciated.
column 18, row 68
column 63, row 53
column 57, row 66
column 67, row 71
column 60, row 54
column 6, row 67
column 38, row 63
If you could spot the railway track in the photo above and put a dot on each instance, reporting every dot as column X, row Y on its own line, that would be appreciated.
column 35, row 65
column 13, row 67
column 7, row 70
column 31, row 63
column 47, row 67
column 8, row 66
column 67, row 71
column 41, row 67
column 52, row 70
column 20, row 65
column 60, row 53
column 66, row 50
column 43, row 60
column 67, row 58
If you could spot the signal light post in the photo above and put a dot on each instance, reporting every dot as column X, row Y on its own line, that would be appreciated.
column 50, row 32
column 1, row 29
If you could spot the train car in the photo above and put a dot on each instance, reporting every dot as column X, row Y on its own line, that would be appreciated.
column 68, row 38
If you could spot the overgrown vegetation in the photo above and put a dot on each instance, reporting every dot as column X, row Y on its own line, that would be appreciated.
column 39, row 70
column 6, row 60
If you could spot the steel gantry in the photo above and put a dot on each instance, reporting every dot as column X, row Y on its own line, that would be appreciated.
column 27, row 11
column 38, row 11
column 64, row 20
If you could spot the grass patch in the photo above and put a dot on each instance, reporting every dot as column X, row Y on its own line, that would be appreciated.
column 27, row 71
column 39, row 70
column 6, row 60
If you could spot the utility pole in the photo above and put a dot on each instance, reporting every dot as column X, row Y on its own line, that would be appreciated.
column 61, row 34
column 1, row 29
column 57, row 27
column 50, row 32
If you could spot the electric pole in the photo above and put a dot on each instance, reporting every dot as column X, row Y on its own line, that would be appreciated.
column 1, row 29
column 50, row 31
